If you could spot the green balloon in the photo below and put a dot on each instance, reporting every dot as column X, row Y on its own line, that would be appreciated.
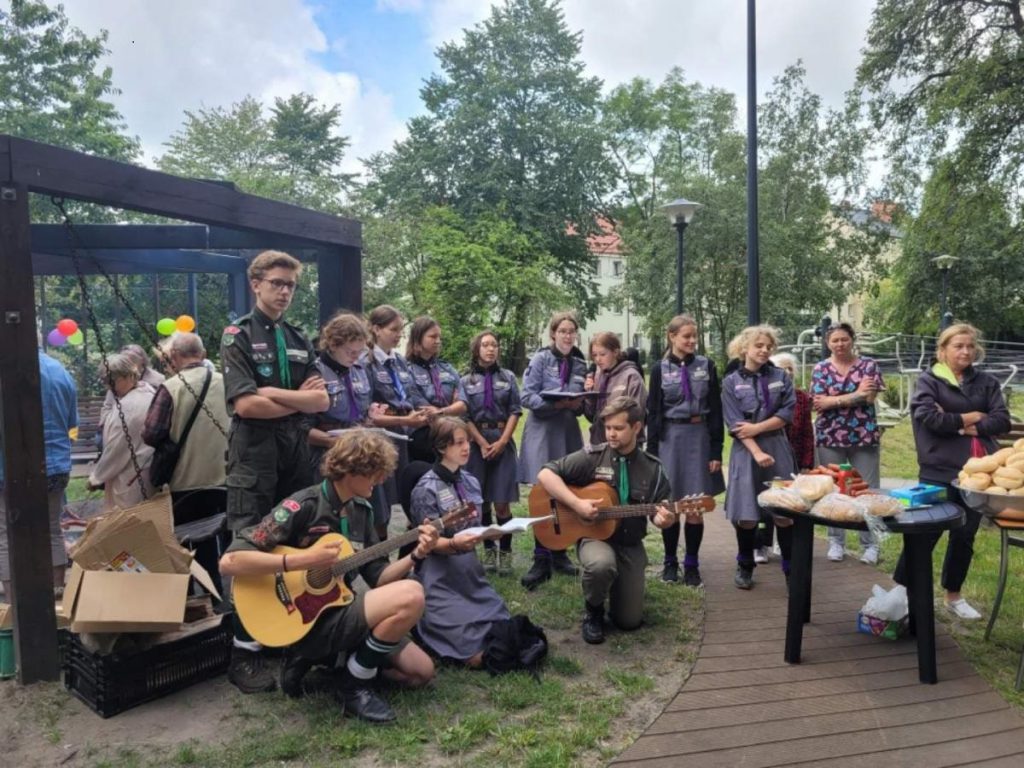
column 166, row 326
column 76, row 338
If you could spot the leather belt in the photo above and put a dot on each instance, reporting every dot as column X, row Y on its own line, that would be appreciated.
column 490, row 424
column 687, row 420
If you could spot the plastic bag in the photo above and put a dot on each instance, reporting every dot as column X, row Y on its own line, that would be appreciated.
column 813, row 487
column 784, row 498
column 889, row 605
column 841, row 508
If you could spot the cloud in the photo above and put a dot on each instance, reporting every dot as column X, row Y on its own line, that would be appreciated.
column 172, row 57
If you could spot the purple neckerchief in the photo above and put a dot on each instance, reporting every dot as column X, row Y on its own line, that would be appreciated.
column 460, row 491
column 353, row 406
column 436, row 378
column 766, row 394
column 684, row 379
column 563, row 371
column 489, row 391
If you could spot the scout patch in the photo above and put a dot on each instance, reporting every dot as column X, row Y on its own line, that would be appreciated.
column 260, row 346
column 232, row 329
column 604, row 473
column 265, row 370
column 291, row 505
column 281, row 514
column 447, row 499
column 227, row 339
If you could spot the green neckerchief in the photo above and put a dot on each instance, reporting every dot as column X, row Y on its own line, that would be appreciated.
column 282, row 357
column 944, row 372
column 623, row 481
column 344, row 520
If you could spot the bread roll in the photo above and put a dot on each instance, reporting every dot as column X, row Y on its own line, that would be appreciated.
column 1016, row 491
column 879, row 504
column 1019, row 445
column 1016, row 460
column 839, row 507
column 813, row 487
column 977, row 482
column 1005, row 482
column 1002, row 455
column 986, row 464
column 784, row 498
column 995, row 490
column 1011, row 473
column 961, row 476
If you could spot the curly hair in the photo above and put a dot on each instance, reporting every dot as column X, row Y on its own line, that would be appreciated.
column 343, row 328
column 362, row 452
column 268, row 260
column 738, row 346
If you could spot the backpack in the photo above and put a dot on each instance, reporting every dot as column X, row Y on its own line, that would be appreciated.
column 513, row 644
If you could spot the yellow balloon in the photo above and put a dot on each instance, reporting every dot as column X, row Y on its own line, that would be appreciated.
column 185, row 323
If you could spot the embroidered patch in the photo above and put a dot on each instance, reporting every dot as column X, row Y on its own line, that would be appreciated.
column 281, row 514
column 264, row 370
column 291, row 504
column 447, row 498
column 699, row 374
column 604, row 473
column 232, row 329
column 299, row 355
column 259, row 346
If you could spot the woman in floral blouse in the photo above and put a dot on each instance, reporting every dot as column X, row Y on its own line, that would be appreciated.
column 844, row 387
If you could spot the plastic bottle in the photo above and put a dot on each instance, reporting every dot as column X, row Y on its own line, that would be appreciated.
column 845, row 477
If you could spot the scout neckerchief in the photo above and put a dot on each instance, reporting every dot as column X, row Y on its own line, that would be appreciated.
column 343, row 518
column 345, row 374
column 282, row 357
column 761, row 379
column 391, row 365
column 623, row 480
column 564, row 368
column 488, row 374
column 684, row 375
column 435, row 378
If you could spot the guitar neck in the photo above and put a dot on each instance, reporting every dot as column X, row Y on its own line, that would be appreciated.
column 364, row 556
column 629, row 510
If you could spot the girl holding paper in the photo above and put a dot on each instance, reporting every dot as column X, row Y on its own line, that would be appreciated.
column 461, row 604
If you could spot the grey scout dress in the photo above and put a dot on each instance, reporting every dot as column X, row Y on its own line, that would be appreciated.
column 754, row 397
column 491, row 396
column 461, row 603
column 684, row 423
column 550, row 432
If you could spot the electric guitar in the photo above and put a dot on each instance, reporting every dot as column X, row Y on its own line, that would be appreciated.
column 567, row 527
column 279, row 609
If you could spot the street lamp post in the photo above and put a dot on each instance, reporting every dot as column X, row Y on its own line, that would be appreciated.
column 680, row 211
column 944, row 264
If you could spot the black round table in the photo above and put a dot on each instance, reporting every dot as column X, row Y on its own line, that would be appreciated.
column 911, row 523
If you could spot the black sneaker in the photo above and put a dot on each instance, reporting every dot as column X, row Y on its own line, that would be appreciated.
column 358, row 699
column 691, row 577
column 744, row 578
column 539, row 572
column 293, row 670
column 593, row 628
column 561, row 563
column 670, row 572
column 248, row 672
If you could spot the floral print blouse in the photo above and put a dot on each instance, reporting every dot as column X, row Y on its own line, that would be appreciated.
column 854, row 427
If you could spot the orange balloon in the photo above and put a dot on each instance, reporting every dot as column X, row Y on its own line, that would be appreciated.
column 185, row 323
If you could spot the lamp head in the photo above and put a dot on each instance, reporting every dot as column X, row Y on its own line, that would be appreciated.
column 680, row 210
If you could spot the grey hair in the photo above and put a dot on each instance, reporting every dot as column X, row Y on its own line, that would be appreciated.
column 122, row 366
column 786, row 360
column 186, row 345
column 138, row 355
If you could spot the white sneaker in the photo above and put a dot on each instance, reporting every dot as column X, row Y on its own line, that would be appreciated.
column 775, row 549
column 963, row 610
column 870, row 555
column 835, row 552
column 761, row 555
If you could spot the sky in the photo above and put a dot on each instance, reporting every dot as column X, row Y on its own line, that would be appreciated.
column 371, row 56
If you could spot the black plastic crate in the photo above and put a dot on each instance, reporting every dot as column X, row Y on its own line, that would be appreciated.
column 112, row 683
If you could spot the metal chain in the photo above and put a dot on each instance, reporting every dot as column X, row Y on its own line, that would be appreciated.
column 75, row 239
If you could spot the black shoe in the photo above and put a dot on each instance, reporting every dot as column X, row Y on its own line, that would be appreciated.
column 248, row 672
column 744, row 578
column 293, row 670
column 691, row 577
column 593, row 628
column 357, row 698
column 561, row 563
column 670, row 572
column 539, row 572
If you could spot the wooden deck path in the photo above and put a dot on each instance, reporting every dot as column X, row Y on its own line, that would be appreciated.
column 852, row 695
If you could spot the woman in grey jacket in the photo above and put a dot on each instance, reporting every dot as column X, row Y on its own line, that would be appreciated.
column 952, row 404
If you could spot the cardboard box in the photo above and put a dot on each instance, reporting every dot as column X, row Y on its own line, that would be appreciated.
column 7, row 616
column 129, row 573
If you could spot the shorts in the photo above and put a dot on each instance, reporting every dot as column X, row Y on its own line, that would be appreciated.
column 337, row 633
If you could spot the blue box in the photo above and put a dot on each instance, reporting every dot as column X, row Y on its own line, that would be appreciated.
column 919, row 495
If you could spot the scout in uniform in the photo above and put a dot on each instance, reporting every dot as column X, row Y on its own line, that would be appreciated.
column 614, row 376
column 270, row 384
column 613, row 570
column 552, row 430
column 757, row 404
column 491, row 396
column 436, row 380
column 684, row 429
column 370, row 632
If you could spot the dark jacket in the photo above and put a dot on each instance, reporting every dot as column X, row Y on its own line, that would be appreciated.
column 935, row 409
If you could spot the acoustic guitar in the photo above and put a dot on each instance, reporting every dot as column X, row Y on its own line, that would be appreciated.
column 566, row 527
column 279, row 609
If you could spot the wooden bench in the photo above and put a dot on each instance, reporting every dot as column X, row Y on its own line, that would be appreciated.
column 83, row 449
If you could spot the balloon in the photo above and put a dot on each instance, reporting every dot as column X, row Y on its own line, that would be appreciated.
column 56, row 339
column 67, row 326
column 185, row 323
column 165, row 327
column 76, row 338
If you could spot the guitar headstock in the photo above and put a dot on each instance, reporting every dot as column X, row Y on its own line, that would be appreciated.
column 697, row 504
column 455, row 516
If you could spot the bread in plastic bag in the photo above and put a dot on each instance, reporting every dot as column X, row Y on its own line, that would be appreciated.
column 841, row 508
column 813, row 487
column 783, row 498
column 879, row 504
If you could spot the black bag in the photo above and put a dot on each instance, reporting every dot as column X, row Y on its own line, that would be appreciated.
column 513, row 644
column 166, row 455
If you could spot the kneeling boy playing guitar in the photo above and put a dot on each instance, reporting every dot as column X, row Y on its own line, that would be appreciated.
column 359, row 636
column 613, row 570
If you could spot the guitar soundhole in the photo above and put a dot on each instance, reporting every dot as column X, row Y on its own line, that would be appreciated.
column 318, row 578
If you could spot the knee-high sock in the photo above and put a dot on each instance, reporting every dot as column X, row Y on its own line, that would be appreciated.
column 746, row 538
column 693, row 534
column 670, row 538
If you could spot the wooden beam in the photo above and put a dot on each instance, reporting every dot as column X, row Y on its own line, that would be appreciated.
column 131, row 262
column 52, row 238
column 21, row 423
column 55, row 171
column 339, row 277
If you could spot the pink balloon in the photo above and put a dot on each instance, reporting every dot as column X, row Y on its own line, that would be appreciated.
column 56, row 339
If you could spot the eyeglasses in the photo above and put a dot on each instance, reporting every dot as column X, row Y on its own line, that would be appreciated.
column 280, row 285
column 565, row 332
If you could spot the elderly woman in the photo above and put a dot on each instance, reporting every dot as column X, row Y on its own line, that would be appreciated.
column 114, row 469
column 844, row 386
column 953, row 405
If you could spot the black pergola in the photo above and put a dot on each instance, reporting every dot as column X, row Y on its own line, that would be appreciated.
column 223, row 219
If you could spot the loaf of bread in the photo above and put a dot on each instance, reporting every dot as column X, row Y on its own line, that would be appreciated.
column 1005, row 482
column 977, row 482
column 813, row 487
column 1011, row 473
column 986, row 464
column 1017, row 460
column 1003, row 455
column 783, row 498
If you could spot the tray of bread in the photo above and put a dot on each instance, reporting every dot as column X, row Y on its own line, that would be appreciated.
column 994, row 484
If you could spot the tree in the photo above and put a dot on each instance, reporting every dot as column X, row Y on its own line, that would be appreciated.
column 51, row 86
column 510, row 126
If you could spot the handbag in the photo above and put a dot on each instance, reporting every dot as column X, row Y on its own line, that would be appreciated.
column 166, row 455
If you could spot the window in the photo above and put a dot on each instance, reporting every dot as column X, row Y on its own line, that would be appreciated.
column 597, row 266
column 617, row 268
